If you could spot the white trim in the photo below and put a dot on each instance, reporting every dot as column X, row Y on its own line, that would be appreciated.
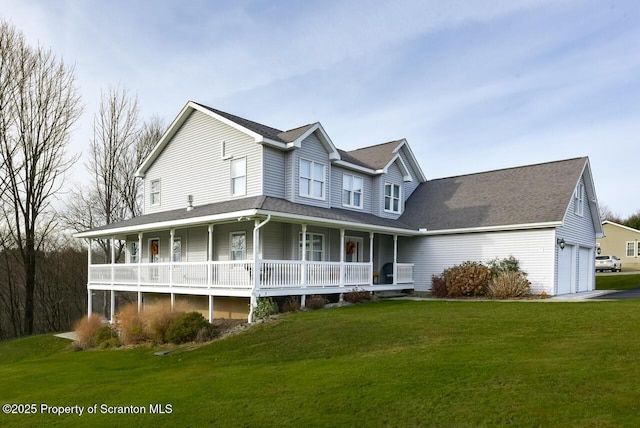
column 392, row 198
column 231, row 235
column 498, row 228
column 158, row 192
column 352, row 193
column 231, row 177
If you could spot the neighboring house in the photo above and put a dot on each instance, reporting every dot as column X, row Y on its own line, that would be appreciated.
column 235, row 211
column 621, row 241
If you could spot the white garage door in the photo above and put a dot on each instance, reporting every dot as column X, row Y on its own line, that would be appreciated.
column 585, row 264
column 565, row 271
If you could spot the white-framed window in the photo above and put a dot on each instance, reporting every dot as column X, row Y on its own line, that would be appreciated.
column 238, row 245
column 392, row 197
column 631, row 249
column 176, row 253
column 133, row 252
column 154, row 192
column 312, row 179
column 579, row 200
column 352, row 191
column 314, row 247
column 239, row 177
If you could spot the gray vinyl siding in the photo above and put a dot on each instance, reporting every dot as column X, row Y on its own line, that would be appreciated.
column 191, row 164
column 223, row 232
column 273, row 241
column 274, row 172
column 535, row 249
column 336, row 189
column 313, row 150
column 197, row 240
column 579, row 235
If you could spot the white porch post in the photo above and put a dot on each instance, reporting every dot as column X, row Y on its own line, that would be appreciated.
column 89, row 302
column 173, row 301
column 303, row 268
column 89, row 293
column 395, row 259
column 304, row 256
column 139, row 301
column 113, row 260
column 139, row 259
column 113, row 306
column 210, row 309
column 172, row 234
column 342, row 250
column 371, row 255
column 210, row 254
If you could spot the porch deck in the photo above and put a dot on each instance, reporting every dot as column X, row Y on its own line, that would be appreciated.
column 236, row 278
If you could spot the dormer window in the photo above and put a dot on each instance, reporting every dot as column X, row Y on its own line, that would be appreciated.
column 312, row 179
column 351, row 191
column 392, row 198
column 579, row 200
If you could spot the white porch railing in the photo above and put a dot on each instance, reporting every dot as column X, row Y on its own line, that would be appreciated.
column 273, row 274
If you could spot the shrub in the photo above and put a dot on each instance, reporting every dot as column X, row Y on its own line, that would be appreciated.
column 508, row 284
column 187, row 327
column 265, row 307
column 106, row 334
column 131, row 325
column 113, row 342
column 356, row 296
column 467, row 279
column 291, row 304
column 438, row 286
column 509, row 264
column 316, row 301
column 156, row 320
column 86, row 329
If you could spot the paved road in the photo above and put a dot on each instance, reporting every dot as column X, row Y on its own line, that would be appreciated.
column 620, row 295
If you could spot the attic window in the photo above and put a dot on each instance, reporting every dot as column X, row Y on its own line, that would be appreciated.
column 579, row 200
column 392, row 198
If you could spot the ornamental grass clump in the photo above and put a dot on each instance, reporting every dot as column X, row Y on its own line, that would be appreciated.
column 507, row 285
column 85, row 329
column 130, row 324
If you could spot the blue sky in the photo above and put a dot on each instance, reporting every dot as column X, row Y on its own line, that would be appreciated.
column 472, row 85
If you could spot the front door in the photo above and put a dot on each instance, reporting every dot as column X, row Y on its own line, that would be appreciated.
column 354, row 249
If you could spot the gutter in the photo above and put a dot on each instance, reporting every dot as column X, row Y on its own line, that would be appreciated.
column 256, row 272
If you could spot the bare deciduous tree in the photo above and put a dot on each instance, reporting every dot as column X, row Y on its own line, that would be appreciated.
column 39, row 104
column 118, row 147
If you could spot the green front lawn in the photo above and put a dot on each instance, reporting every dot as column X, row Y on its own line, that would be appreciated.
column 394, row 363
column 617, row 282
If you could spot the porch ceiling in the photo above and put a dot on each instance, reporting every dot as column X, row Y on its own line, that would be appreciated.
column 279, row 209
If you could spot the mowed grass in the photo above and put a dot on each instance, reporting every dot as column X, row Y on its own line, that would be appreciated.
column 392, row 363
column 615, row 281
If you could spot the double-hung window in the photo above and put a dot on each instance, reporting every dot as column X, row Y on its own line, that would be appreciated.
column 177, row 250
column 631, row 249
column 154, row 193
column 239, row 177
column 312, row 179
column 133, row 252
column 392, row 197
column 579, row 200
column 314, row 246
column 238, row 245
column 351, row 191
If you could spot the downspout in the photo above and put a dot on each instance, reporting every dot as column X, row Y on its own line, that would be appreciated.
column 256, row 265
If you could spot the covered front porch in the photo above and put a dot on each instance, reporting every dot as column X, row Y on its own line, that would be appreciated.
column 248, row 257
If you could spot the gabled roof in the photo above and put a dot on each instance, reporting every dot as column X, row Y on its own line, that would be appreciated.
column 251, row 206
column 622, row 226
column 529, row 195
column 379, row 157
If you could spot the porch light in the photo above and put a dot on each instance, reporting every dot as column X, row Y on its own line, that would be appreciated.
column 561, row 243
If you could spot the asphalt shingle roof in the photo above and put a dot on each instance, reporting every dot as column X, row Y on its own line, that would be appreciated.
column 523, row 195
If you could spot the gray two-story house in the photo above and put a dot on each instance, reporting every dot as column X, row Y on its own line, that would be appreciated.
column 235, row 210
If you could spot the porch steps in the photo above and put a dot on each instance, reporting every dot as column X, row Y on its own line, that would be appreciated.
column 389, row 294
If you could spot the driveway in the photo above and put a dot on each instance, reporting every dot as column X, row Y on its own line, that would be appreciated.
column 633, row 293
